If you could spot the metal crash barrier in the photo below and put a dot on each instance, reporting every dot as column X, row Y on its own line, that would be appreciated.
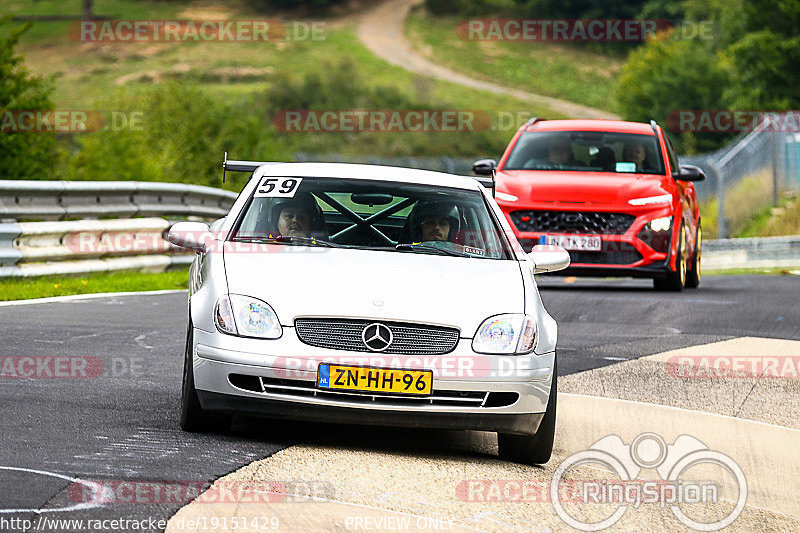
column 108, row 233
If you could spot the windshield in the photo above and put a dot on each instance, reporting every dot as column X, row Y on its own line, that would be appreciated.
column 365, row 214
column 588, row 151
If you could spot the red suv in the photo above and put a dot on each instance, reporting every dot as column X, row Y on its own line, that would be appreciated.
column 611, row 192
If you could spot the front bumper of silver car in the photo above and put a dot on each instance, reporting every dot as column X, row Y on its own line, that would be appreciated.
column 508, row 394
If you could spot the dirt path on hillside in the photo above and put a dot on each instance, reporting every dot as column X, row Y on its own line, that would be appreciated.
column 381, row 30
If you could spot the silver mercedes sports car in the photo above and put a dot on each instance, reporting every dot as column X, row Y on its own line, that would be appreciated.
column 370, row 295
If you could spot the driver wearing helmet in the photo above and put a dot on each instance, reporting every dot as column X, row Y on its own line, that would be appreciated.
column 294, row 221
column 434, row 221
column 298, row 217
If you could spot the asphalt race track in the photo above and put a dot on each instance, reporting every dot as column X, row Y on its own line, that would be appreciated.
column 121, row 422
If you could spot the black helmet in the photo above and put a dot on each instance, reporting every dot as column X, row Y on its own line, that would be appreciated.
column 424, row 210
column 306, row 202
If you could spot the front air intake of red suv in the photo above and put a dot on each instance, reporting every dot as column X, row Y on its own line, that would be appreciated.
column 585, row 222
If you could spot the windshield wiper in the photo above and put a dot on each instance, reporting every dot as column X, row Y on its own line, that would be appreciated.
column 429, row 248
column 289, row 239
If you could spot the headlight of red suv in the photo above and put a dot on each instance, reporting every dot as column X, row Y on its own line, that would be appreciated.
column 656, row 234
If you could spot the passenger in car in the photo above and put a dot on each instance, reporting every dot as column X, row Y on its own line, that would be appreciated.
column 560, row 151
column 435, row 228
column 560, row 154
column 434, row 221
column 294, row 221
column 634, row 152
column 299, row 217
column 605, row 159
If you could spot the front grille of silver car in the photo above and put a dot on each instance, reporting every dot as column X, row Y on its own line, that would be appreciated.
column 298, row 389
column 345, row 334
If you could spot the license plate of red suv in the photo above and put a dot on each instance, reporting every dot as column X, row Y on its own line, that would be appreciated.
column 576, row 242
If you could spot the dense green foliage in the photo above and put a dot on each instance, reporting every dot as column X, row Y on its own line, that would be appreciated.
column 746, row 60
column 665, row 76
column 313, row 6
column 184, row 131
column 182, row 137
column 721, row 54
column 539, row 8
column 22, row 154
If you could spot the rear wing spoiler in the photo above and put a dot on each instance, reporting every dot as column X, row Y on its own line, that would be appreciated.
column 240, row 166
column 251, row 166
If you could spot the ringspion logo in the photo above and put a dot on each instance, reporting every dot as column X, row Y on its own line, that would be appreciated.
column 623, row 487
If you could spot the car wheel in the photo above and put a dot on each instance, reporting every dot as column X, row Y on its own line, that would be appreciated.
column 193, row 417
column 675, row 281
column 693, row 275
column 533, row 449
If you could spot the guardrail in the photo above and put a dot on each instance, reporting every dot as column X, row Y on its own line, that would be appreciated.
column 757, row 252
column 59, row 200
column 81, row 246
column 57, row 246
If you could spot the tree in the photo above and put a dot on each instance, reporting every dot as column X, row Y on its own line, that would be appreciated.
column 764, row 57
column 666, row 76
column 22, row 154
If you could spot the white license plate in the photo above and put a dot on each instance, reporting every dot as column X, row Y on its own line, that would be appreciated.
column 575, row 242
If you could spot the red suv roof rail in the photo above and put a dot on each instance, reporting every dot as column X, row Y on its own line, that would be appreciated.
column 532, row 120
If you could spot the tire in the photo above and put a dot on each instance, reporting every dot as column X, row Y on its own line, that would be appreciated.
column 193, row 418
column 533, row 449
column 694, row 273
column 675, row 281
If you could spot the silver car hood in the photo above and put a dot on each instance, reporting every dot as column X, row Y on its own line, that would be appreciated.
column 414, row 287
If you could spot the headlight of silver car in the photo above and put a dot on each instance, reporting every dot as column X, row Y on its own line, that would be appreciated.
column 246, row 317
column 506, row 334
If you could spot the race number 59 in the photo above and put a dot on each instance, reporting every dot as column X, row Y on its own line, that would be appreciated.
column 277, row 187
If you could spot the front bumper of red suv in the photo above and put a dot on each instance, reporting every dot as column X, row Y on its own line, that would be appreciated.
column 638, row 242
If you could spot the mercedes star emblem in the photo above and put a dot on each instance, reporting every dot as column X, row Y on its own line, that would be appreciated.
column 377, row 337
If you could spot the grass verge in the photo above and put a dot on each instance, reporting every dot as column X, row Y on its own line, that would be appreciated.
column 124, row 281
column 146, row 92
column 552, row 69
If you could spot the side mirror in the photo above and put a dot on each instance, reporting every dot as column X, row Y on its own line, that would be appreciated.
column 548, row 258
column 484, row 167
column 192, row 235
column 690, row 173
column 217, row 224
